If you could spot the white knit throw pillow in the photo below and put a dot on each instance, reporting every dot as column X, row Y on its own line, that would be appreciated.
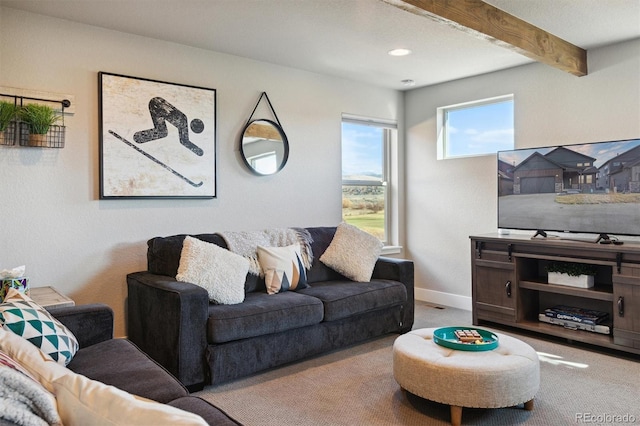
column 352, row 252
column 219, row 271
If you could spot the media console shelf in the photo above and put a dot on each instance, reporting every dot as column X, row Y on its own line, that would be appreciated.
column 509, row 286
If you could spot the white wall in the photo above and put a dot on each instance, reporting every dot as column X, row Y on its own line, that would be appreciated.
column 449, row 200
column 52, row 219
column 53, row 222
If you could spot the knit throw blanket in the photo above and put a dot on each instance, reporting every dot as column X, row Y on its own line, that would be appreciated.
column 245, row 243
column 23, row 401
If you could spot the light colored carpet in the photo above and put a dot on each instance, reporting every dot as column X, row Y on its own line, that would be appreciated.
column 355, row 386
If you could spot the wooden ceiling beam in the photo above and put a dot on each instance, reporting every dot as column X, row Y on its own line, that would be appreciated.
column 487, row 22
column 262, row 131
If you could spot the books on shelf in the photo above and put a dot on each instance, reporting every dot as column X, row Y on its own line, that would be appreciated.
column 599, row 328
column 576, row 315
column 577, row 318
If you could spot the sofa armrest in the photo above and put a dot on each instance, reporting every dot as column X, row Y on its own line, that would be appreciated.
column 167, row 319
column 388, row 268
column 90, row 324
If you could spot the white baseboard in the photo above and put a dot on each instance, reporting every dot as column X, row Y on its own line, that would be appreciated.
column 444, row 299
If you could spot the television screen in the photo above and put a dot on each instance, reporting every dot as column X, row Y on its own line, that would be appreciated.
column 586, row 188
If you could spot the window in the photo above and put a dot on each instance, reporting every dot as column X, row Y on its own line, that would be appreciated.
column 475, row 128
column 366, row 151
column 266, row 163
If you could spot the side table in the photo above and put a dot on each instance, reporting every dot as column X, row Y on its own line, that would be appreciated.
column 49, row 297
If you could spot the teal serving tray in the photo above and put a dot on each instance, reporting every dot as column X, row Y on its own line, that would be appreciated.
column 446, row 337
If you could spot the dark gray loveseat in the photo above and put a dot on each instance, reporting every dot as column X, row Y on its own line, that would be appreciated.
column 202, row 343
column 119, row 363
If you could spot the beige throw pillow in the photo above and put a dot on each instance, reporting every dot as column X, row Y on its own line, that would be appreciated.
column 40, row 365
column 352, row 252
column 82, row 401
column 219, row 271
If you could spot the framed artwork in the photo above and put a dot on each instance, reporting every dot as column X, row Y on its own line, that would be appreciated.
column 157, row 139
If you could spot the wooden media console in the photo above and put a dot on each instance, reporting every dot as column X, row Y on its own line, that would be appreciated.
column 509, row 286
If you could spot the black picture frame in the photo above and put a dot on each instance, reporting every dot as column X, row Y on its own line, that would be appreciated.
column 157, row 139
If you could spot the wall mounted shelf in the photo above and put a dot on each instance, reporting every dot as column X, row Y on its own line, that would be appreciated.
column 31, row 123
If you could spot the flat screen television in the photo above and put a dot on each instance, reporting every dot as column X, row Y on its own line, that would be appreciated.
column 591, row 188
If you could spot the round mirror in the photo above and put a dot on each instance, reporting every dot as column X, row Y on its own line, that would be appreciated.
column 264, row 147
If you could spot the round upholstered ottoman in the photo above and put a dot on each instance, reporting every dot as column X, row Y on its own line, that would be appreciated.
column 506, row 376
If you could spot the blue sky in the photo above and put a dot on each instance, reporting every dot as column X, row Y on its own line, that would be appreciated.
column 480, row 129
column 361, row 150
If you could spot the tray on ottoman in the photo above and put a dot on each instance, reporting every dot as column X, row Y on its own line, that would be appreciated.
column 449, row 338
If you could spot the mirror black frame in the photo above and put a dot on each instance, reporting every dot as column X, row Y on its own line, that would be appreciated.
column 285, row 143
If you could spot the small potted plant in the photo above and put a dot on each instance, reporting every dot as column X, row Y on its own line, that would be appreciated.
column 37, row 119
column 571, row 274
column 8, row 115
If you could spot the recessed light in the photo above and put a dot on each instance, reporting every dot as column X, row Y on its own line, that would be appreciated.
column 408, row 82
column 399, row 52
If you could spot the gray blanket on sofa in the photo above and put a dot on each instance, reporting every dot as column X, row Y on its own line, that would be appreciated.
column 245, row 243
column 24, row 401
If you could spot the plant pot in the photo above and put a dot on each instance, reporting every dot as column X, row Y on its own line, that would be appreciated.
column 54, row 138
column 581, row 281
column 8, row 135
column 37, row 139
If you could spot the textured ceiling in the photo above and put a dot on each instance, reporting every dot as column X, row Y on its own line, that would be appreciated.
column 347, row 38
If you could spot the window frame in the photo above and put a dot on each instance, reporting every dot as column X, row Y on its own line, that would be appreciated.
column 389, row 138
column 443, row 124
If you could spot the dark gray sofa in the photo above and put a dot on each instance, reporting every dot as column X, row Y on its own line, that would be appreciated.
column 118, row 362
column 203, row 343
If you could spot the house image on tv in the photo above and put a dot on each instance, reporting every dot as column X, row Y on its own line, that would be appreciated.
column 622, row 172
column 559, row 170
column 505, row 178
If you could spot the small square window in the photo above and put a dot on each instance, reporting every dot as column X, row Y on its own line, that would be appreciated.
column 475, row 128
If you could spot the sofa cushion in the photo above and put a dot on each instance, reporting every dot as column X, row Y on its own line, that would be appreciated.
column 283, row 268
column 261, row 314
column 23, row 316
column 39, row 365
column 139, row 375
column 342, row 299
column 213, row 268
column 352, row 252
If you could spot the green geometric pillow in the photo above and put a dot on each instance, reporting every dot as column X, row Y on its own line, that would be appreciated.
column 26, row 318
